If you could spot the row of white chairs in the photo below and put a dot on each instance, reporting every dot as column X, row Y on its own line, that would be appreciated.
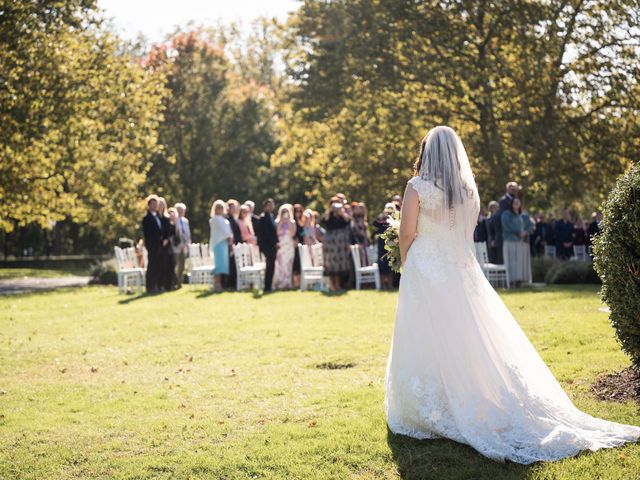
column 580, row 252
column 497, row 274
column 250, row 267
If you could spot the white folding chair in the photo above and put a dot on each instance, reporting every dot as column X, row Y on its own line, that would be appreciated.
column 550, row 251
column 364, row 274
column 372, row 253
column 200, row 269
column 309, row 274
column 127, row 269
column 247, row 274
column 317, row 256
column 495, row 274
column 579, row 252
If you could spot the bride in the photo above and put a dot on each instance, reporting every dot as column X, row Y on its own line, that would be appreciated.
column 460, row 367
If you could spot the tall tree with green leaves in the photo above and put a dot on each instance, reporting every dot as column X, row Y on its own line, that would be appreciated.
column 79, row 118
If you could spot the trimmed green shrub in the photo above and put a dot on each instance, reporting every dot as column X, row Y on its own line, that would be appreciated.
column 540, row 266
column 571, row 272
column 104, row 273
column 617, row 259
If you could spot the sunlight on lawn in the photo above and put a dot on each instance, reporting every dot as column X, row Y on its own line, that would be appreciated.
column 289, row 385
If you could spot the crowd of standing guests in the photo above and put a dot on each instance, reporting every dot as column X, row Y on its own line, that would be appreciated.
column 513, row 236
column 276, row 233
column 167, row 236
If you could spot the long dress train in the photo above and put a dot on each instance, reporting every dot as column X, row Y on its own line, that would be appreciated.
column 460, row 366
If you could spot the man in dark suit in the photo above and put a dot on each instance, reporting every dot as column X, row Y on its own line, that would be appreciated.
column 152, row 231
column 542, row 235
column 492, row 251
column 564, row 236
column 496, row 222
column 268, row 240
column 595, row 227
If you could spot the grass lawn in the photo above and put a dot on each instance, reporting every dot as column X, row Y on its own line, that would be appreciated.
column 196, row 385
column 10, row 273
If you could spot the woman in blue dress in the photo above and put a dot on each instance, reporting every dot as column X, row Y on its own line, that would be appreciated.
column 219, row 241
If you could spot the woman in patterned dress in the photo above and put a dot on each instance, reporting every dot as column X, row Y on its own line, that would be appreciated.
column 286, row 228
column 336, row 243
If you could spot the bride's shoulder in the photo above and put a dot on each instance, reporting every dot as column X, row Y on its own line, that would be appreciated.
column 424, row 188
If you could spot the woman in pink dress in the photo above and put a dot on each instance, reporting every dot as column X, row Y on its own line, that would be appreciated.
column 245, row 225
column 286, row 228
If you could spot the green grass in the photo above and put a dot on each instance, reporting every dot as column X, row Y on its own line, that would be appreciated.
column 194, row 385
column 9, row 273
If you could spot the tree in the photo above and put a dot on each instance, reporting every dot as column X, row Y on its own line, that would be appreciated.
column 539, row 91
column 79, row 118
column 218, row 131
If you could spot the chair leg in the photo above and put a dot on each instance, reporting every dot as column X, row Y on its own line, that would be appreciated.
column 357, row 281
column 377, row 281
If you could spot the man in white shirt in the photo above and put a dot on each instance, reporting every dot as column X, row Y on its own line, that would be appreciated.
column 185, row 234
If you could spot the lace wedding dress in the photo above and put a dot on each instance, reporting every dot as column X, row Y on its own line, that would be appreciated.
column 460, row 367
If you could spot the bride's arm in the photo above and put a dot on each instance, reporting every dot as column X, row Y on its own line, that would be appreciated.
column 408, row 221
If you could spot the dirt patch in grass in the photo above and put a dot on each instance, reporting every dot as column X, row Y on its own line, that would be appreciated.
column 620, row 386
column 335, row 365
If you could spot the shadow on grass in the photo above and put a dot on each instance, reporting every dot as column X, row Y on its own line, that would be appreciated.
column 133, row 297
column 443, row 458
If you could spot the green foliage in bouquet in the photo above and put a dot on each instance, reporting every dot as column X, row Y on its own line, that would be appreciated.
column 617, row 260
column 391, row 237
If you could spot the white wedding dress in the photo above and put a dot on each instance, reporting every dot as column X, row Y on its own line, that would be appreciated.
column 460, row 367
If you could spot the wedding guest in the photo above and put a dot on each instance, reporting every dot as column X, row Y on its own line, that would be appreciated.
column 268, row 240
column 233, row 207
column 286, row 228
column 220, row 240
column 579, row 235
column 167, row 266
column 176, row 244
column 490, row 224
column 564, row 236
column 252, row 211
column 503, row 204
column 515, row 247
column 480, row 233
column 152, row 232
column 397, row 201
column 309, row 230
column 381, row 224
column 336, row 245
column 360, row 228
column 298, row 218
column 185, row 233
column 595, row 227
column 246, row 226
column 319, row 230
column 542, row 235
column 233, row 210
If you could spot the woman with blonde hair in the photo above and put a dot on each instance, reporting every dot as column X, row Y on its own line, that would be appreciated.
column 246, row 226
column 286, row 229
column 220, row 240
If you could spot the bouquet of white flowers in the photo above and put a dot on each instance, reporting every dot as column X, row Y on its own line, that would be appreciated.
column 391, row 237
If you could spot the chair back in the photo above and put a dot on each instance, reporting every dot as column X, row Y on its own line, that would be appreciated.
column 317, row 255
column 305, row 256
column 580, row 252
column 256, row 257
column 372, row 254
column 355, row 254
column 242, row 255
column 482, row 255
column 550, row 251
column 195, row 255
